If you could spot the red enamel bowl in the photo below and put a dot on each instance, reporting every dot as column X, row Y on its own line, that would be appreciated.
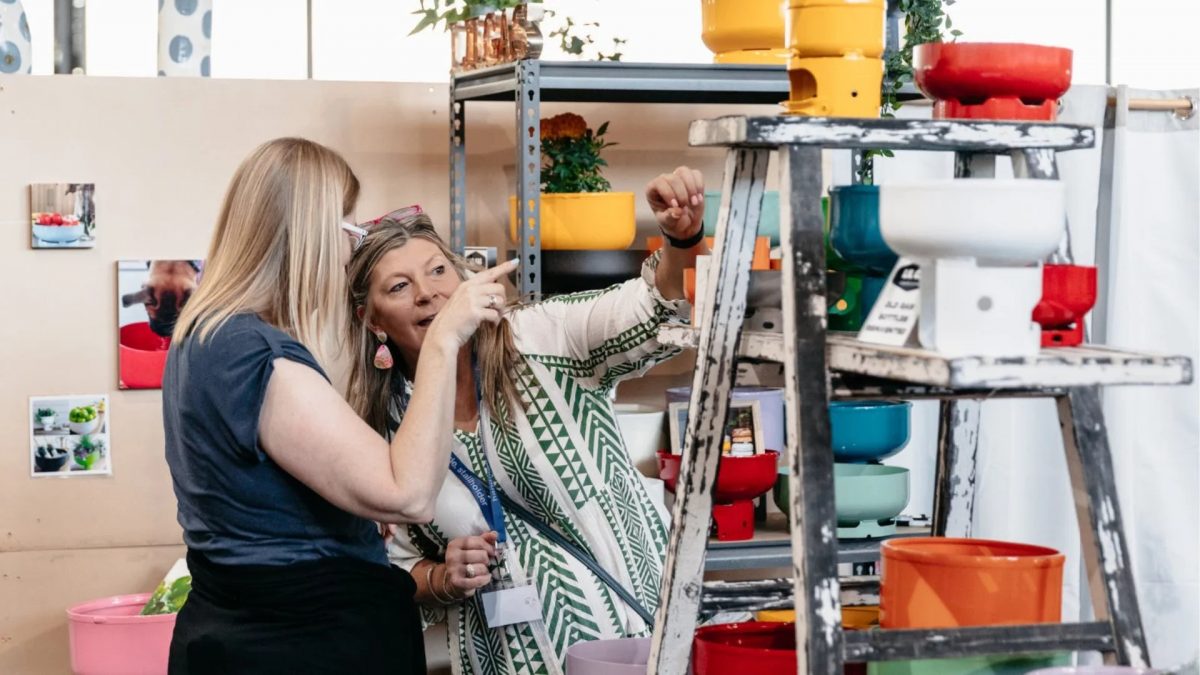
column 738, row 478
column 992, row 80
column 143, row 356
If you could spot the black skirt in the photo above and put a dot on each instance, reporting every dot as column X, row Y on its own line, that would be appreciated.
column 337, row 615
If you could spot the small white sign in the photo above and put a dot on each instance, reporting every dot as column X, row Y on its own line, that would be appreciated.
column 482, row 257
column 519, row 604
column 894, row 316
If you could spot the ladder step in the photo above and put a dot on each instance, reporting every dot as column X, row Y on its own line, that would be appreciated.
column 940, row 643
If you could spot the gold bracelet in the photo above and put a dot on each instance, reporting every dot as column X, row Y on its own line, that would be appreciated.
column 429, row 583
column 446, row 584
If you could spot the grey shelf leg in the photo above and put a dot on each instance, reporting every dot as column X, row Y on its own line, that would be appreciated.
column 958, row 448
column 1105, row 552
column 806, row 406
column 529, row 178
column 720, row 327
column 458, row 174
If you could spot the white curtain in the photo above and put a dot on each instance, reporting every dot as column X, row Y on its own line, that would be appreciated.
column 1143, row 178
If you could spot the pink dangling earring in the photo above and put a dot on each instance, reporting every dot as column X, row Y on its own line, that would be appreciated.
column 383, row 355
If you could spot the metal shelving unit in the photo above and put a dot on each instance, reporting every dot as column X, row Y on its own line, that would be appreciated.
column 530, row 82
column 819, row 366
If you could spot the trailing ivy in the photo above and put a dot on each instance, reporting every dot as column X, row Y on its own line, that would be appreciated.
column 924, row 21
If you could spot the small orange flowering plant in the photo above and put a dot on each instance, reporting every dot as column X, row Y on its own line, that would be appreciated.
column 571, row 159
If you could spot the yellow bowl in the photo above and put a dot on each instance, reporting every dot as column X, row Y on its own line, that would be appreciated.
column 853, row 618
column 744, row 31
column 582, row 221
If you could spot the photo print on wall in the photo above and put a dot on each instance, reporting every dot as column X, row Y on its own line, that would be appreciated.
column 63, row 215
column 150, row 296
column 68, row 436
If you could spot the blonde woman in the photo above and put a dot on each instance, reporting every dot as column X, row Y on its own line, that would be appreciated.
column 277, row 479
column 533, row 418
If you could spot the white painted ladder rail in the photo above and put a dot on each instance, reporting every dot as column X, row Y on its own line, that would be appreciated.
column 822, row 647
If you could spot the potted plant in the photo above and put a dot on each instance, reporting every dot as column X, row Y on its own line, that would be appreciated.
column 46, row 418
column 49, row 459
column 578, row 211
column 87, row 452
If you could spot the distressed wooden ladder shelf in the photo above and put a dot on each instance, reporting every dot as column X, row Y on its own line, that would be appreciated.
column 818, row 367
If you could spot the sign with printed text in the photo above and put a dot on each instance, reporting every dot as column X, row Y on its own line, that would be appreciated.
column 895, row 313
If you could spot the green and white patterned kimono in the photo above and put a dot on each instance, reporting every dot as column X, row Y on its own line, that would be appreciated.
column 562, row 458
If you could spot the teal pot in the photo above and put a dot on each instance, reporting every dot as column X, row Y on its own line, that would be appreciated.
column 854, row 228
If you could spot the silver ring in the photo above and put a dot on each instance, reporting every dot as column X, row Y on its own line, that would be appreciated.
column 470, row 570
column 493, row 301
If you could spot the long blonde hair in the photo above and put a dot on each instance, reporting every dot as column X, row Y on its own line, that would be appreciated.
column 275, row 251
column 370, row 390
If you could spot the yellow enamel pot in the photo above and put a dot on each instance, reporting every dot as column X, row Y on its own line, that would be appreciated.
column 822, row 28
column 745, row 31
column 836, row 67
column 582, row 220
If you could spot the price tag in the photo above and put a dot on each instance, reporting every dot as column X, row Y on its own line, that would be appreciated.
column 897, row 309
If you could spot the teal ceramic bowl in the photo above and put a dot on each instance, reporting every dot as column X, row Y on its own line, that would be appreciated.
column 868, row 431
column 862, row 492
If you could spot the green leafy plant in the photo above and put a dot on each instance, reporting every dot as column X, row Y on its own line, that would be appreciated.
column 45, row 412
column 571, row 43
column 88, row 451
column 571, row 160
column 924, row 21
column 168, row 599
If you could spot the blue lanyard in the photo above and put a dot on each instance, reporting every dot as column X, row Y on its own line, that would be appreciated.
column 484, row 493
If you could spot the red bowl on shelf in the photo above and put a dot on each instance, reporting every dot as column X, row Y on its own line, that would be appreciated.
column 143, row 356
column 992, row 80
column 738, row 478
column 749, row 648
column 1068, row 293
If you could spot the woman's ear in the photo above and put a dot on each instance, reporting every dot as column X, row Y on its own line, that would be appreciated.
column 360, row 311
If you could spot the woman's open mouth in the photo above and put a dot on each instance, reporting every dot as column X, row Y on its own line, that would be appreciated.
column 424, row 323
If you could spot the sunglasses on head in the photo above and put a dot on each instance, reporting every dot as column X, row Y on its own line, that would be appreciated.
column 360, row 232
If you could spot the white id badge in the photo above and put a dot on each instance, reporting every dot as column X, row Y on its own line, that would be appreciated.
column 518, row 604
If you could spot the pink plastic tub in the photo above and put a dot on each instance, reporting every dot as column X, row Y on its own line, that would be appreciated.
column 623, row 656
column 109, row 637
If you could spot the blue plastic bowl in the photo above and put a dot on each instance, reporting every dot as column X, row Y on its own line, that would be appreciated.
column 854, row 228
column 867, row 431
column 768, row 217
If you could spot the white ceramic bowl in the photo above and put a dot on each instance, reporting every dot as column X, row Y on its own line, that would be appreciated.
column 642, row 428
column 58, row 234
column 84, row 428
column 1010, row 222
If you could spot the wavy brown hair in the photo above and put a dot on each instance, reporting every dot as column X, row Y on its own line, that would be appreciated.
column 370, row 390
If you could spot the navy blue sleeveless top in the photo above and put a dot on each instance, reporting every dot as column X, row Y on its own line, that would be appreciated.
column 237, row 506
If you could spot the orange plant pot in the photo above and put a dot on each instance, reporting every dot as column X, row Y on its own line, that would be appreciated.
column 939, row 582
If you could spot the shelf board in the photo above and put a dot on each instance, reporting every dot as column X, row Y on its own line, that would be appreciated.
column 891, row 134
column 772, row 547
column 1051, row 369
column 941, row 643
column 620, row 82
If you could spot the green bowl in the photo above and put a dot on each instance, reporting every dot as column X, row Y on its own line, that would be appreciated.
column 861, row 491
column 972, row 665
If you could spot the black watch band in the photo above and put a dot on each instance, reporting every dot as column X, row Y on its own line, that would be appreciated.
column 684, row 243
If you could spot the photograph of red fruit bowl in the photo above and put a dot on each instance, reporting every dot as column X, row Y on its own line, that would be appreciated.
column 56, row 228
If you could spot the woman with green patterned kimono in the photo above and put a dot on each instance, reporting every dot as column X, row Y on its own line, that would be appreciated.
column 541, row 381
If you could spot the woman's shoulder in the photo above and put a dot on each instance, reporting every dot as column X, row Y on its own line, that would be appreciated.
column 247, row 337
